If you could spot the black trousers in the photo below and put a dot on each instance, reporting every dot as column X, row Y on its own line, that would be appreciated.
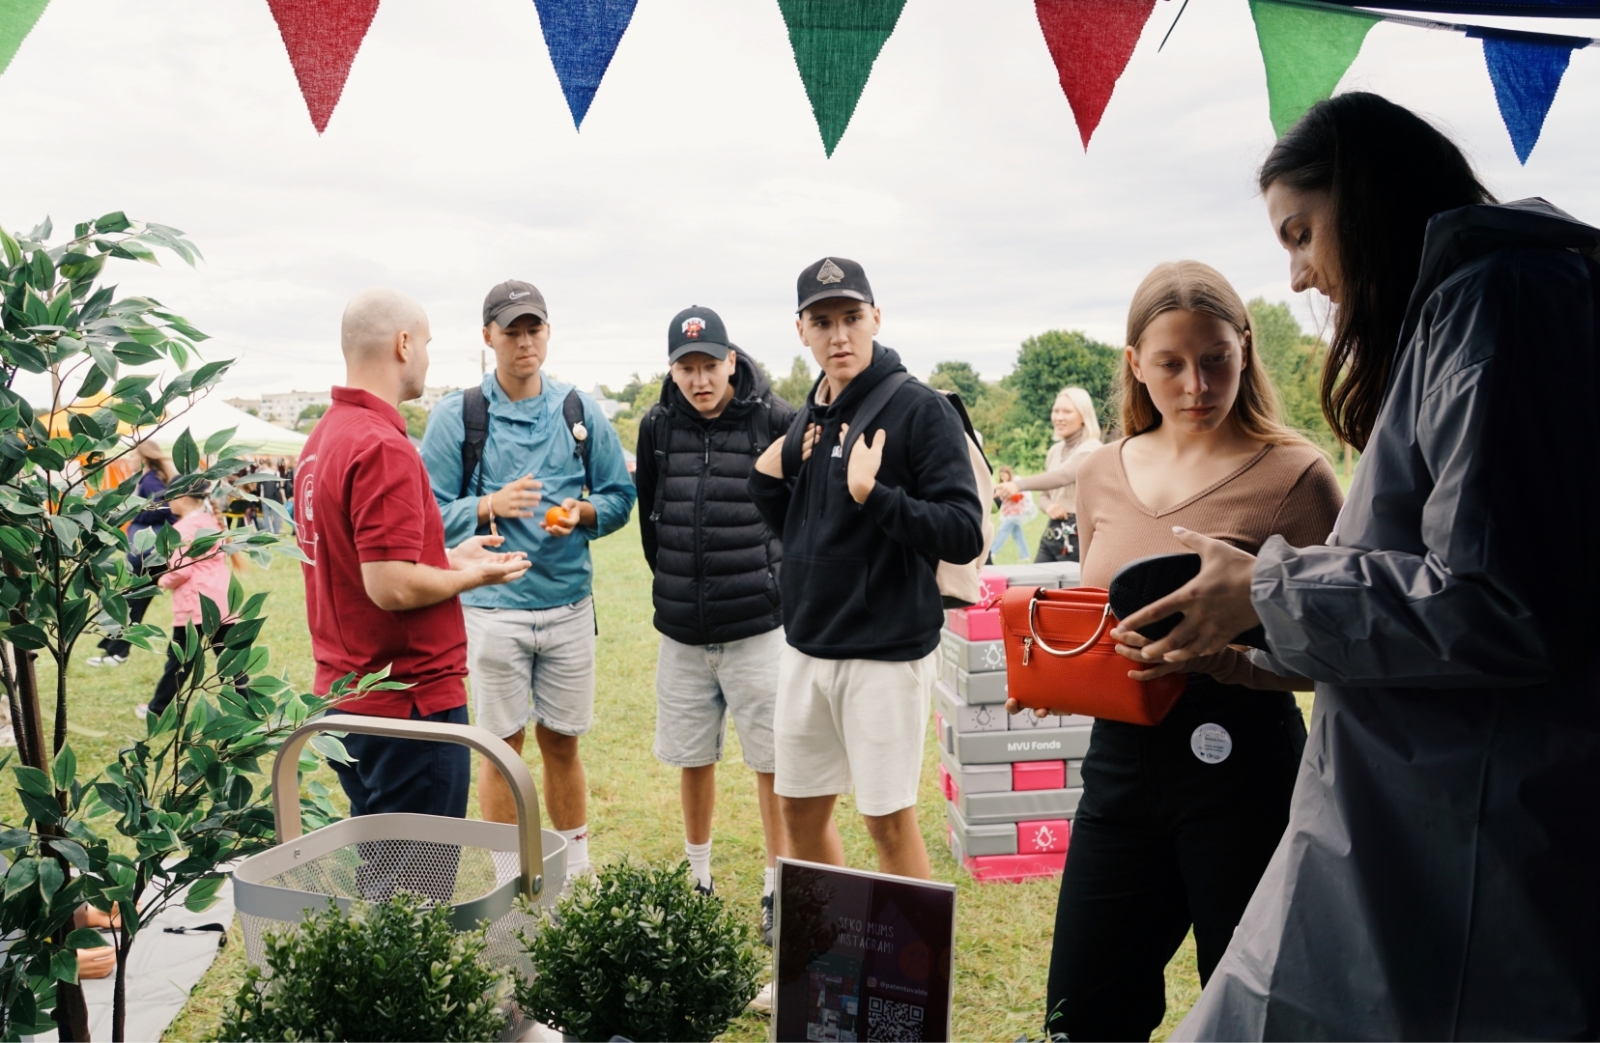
column 137, row 607
column 410, row 776
column 176, row 674
column 1059, row 542
column 1163, row 841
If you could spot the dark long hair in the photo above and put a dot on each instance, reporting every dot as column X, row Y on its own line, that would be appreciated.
column 1386, row 171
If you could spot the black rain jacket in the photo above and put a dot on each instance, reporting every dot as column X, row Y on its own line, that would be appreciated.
column 715, row 561
column 859, row 579
column 1440, row 875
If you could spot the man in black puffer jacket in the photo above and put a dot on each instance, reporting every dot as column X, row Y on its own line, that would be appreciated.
column 867, row 507
column 716, row 574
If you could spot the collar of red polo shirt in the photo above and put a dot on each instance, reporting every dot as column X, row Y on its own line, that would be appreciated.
column 367, row 400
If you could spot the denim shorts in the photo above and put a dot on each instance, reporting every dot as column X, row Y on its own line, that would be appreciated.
column 698, row 686
column 532, row 665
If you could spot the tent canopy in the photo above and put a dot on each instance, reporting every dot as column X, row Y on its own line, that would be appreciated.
column 254, row 437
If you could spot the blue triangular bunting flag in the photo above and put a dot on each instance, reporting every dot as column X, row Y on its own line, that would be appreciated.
column 1526, row 71
column 582, row 35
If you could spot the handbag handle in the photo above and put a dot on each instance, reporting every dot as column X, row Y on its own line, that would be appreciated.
column 1033, row 605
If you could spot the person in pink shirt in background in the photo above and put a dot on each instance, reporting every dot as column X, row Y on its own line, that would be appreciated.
column 190, row 579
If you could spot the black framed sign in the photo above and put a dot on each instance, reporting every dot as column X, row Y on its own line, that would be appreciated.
column 860, row 956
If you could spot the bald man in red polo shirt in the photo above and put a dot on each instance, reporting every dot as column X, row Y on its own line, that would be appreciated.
column 381, row 589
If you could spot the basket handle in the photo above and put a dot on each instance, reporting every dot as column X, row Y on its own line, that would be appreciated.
column 530, row 842
column 1033, row 605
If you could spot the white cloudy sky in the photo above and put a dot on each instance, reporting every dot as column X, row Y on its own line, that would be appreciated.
column 699, row 176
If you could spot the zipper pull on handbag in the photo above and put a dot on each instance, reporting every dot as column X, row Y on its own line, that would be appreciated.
column 1027, row 649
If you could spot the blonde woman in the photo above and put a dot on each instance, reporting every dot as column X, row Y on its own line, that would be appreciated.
column 1077, row 432
column 1178, row 819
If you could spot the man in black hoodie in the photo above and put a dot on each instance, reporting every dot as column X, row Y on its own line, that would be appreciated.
column 864, row 521
column 716, row 574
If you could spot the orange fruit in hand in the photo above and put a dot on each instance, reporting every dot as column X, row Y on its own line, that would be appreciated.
column 556, row 516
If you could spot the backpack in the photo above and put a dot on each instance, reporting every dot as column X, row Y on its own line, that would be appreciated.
column 475, row 424
column 960, row 584
column 760, row 421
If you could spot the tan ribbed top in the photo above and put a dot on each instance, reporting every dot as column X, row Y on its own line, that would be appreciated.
column 1284, row 490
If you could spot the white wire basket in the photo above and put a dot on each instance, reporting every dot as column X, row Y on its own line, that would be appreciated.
column 476, row 869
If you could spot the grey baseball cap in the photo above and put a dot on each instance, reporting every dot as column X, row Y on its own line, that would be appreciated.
column 511, row 300
column 833, row 277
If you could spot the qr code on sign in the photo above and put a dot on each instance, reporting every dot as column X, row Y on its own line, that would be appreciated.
column 892, row 1021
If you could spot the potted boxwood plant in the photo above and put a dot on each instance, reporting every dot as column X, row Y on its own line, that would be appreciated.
column 396, row 970
column 637, row 952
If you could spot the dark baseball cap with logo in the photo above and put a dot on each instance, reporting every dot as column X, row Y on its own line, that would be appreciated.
column 833, row 277
column 511, row 300
column 697, row 329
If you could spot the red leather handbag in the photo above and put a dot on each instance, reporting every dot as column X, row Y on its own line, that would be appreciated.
column 1060, row 656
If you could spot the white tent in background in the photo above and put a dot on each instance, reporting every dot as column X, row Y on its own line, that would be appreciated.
column 253, row 437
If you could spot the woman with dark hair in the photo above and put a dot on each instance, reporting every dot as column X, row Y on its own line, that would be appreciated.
column 152, row 487
column 1437, row 878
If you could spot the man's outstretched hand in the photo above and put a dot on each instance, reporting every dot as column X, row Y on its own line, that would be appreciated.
column 485, row 567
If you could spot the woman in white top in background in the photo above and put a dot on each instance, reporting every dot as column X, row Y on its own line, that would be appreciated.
column 1077, row 435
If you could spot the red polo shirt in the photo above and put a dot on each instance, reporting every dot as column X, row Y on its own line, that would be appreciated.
column 362, row 494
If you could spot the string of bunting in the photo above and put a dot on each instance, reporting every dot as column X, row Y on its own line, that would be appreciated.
column 1306, row 48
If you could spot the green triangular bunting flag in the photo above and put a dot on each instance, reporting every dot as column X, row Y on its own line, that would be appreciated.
column 835, row 43
column 17, row 18
column 1306, row 52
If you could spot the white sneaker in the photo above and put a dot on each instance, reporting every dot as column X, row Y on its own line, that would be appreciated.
column 106, row 660
column 142, row 711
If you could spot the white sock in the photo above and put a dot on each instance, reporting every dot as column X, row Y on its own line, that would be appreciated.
column 577, row 849
column 699, row 862
column 766, row 886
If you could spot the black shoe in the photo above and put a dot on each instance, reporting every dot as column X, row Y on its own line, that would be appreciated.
column 705, row 889
column 766, row 920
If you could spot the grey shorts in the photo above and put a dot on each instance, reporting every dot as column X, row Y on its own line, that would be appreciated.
column 698, row 686
column 532, row 664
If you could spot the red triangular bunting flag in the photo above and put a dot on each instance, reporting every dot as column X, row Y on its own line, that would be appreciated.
column 322, row 37
column 1091, row 42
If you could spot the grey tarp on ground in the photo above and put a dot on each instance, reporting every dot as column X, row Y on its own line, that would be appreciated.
column 1440, row 875
column 162, row 969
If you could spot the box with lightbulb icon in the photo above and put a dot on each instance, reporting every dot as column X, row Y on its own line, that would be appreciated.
column 1011, row 782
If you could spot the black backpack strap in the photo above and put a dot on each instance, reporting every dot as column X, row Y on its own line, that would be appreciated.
column 572, row 417
column 871, row 406
column 475, row 425
column 761, row 427
column 794, row 441
column 660, row 432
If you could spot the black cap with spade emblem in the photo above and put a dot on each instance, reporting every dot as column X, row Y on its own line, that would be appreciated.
column 697, row 329
column 833, row 277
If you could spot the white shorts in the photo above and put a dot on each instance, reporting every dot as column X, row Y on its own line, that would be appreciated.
column 532, row 664
column 860, row 721
column 698, row 686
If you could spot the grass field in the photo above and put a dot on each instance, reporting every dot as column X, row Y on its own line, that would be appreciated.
column 1003, row 930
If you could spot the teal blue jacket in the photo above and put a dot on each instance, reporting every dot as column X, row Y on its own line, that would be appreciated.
column 529, row 437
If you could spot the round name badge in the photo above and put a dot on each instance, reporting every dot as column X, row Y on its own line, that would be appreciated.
column 1211, row 743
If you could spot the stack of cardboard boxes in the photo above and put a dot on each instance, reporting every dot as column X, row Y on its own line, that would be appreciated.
column 1011, row 783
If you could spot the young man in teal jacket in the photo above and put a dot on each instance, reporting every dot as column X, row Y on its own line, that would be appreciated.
column 500, row 457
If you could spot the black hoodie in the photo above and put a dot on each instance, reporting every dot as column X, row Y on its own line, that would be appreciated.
column 715, row 561
column 859, row 579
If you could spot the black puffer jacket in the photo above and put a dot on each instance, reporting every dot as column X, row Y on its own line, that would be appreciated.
column 715, row 561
